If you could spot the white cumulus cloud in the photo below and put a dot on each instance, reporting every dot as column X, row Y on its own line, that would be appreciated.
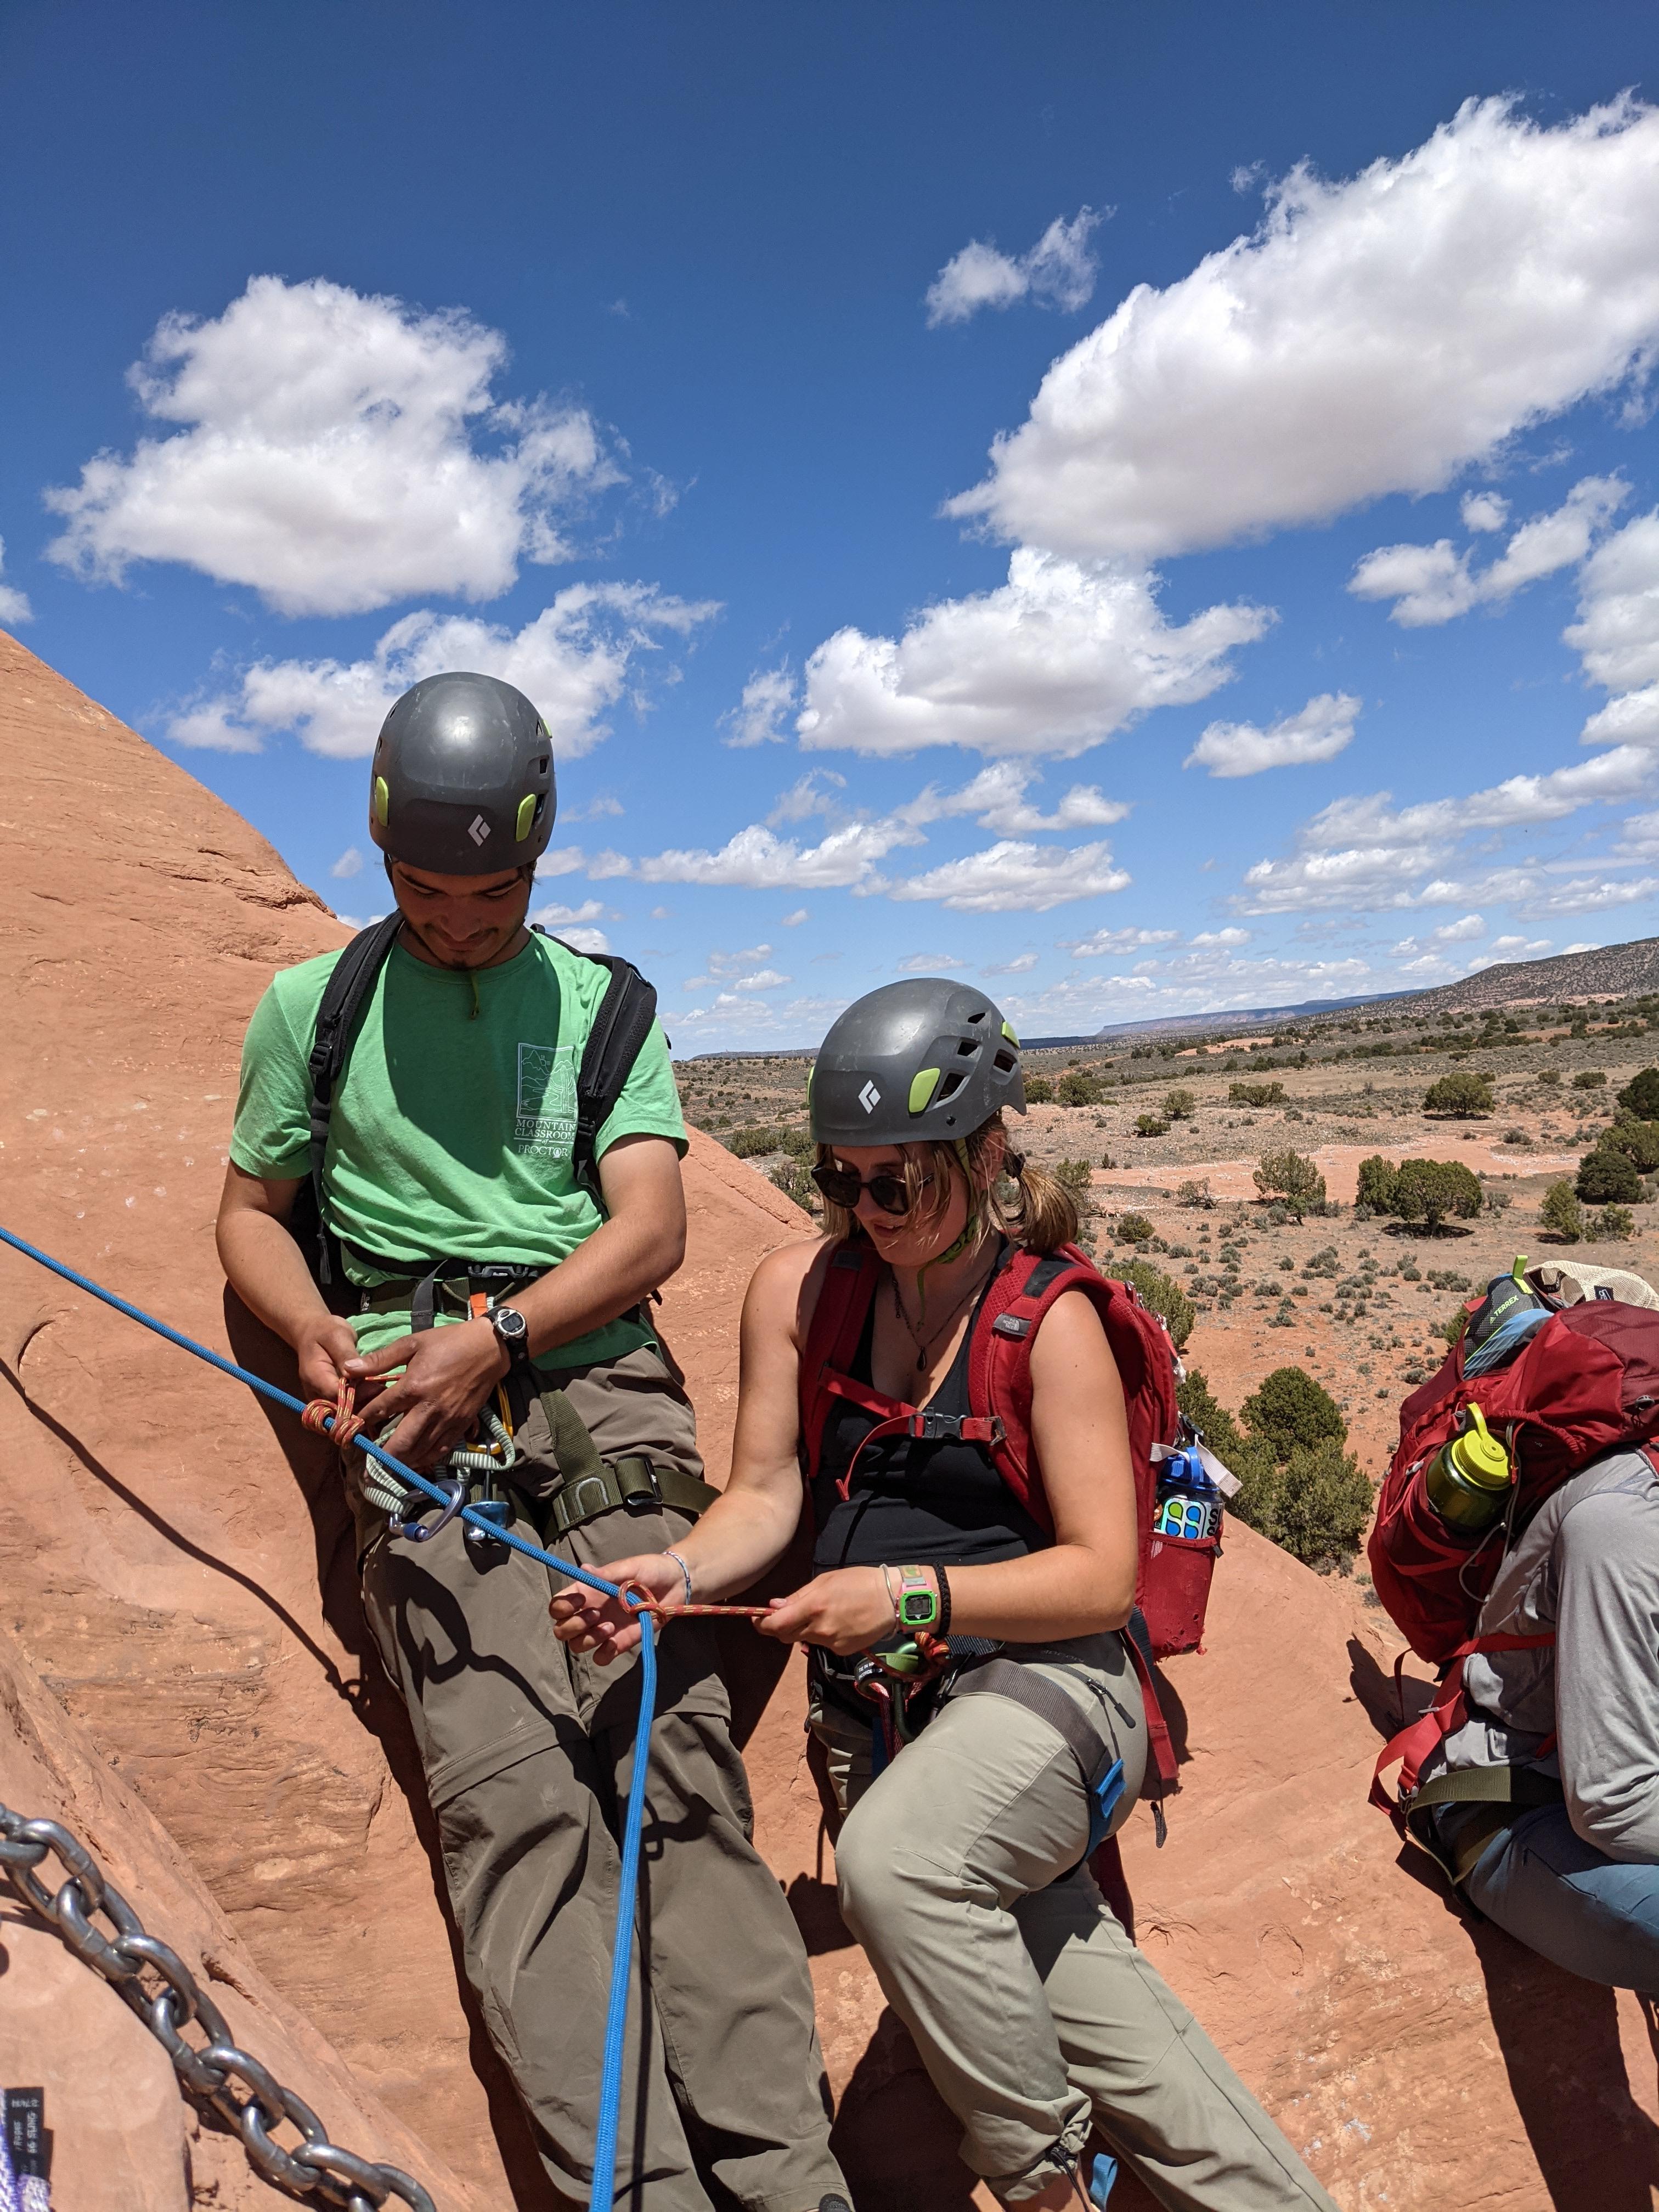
column 1318, row 733
column 1431, row 584
column 1059, row 657
column 14, row 605
column 1014, row 877
column 336, row 452
column 1108, row 942
column 1484, row 510
column 350, row 863
column 758, row 720
column 1377, row 334
column 574, row 660
column 564, row 918
column 1059, row 270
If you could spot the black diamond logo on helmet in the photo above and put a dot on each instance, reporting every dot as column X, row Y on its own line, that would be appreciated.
column 477, row 830
column 869, row 1098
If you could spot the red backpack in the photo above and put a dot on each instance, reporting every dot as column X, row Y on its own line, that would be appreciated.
column 1585, row 1382
column 1172, row 1580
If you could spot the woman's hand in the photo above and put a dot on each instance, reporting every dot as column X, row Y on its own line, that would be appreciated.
column 587, row 1620
column 448, row 1373
column 847, row 1610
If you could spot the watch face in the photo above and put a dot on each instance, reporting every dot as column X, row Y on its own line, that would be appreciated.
column 510, row 1323
column 918, row 1607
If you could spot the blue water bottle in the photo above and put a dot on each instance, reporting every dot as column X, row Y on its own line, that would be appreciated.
column 1189, row 1505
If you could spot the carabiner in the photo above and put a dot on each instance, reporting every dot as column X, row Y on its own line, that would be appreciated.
column 416, row 1531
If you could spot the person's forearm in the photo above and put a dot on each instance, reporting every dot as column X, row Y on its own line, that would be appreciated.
column 743, row 1533
column 1046, row 1597
column 622, row 1262
column 267, row 1270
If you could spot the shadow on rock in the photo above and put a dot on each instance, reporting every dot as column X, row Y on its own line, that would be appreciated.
column 894, row 2137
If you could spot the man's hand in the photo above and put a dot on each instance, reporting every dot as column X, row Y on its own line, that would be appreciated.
column 448, row 1373
column 847, row 1610
column 325, row 1346
column 587, row 1620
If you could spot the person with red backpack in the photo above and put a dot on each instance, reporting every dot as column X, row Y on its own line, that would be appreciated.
column 1516, row 1545
column 978, row 1546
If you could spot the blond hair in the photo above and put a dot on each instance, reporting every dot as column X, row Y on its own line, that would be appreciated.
column 1041, row 1215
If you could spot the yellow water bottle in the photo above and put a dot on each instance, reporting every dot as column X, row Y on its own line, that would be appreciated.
column 1468, row 1479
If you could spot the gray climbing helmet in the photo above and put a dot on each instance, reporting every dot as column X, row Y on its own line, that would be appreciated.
column 462, row 778
column 917, row 1061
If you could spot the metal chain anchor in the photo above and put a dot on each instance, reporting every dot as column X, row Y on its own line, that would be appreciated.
column 166, row 1997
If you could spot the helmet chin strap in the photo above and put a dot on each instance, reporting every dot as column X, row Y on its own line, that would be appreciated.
column 969, row 1231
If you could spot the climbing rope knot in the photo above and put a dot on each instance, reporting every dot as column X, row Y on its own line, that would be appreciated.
column 337, row 1418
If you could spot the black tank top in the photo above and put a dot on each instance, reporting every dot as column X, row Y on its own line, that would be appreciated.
column 938, row 1503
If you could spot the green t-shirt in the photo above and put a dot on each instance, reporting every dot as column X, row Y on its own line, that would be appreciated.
column 451, row 1132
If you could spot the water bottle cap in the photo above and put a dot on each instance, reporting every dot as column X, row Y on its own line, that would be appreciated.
column 1479, row 1456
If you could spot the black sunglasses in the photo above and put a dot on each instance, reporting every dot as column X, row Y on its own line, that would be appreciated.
column 844, row 1187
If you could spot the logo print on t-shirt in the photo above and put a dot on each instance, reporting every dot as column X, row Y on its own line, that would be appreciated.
column 546, row 1119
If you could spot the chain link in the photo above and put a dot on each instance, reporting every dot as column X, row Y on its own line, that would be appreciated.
column 166, row 1997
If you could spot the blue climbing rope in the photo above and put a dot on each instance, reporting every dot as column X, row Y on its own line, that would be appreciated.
column 602, row 2193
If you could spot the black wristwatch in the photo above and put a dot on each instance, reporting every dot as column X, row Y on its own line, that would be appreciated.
column 511, row 1334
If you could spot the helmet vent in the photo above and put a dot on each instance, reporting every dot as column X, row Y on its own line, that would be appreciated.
column 1004, row 1063
column 968, row 1048
column 952, row 1083
column 974, row 1019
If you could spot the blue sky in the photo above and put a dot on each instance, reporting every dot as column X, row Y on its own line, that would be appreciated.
column 1153, row 509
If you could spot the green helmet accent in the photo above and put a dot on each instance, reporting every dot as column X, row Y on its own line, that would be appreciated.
column 462, row 781
column 923, row 1060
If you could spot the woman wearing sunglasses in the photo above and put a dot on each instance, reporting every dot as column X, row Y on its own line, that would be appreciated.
column 961, row 1860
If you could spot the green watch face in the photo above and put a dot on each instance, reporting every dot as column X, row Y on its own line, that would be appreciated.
column 918, row 1609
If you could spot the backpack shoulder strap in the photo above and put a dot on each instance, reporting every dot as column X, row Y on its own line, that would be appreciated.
column 1023, row 1291
column 847, row 1286
column 344, row 995
column 620, row 1029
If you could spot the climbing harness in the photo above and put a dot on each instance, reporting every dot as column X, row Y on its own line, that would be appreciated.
column 321, row 1416
column 209, row 2069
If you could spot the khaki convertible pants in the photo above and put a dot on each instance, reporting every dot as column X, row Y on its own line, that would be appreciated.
column 528, row 1755
column 1034, row 2013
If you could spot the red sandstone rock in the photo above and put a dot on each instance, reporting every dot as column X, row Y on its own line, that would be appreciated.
column 176, row 1573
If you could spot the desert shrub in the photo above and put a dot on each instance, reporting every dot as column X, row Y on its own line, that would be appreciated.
column 1150, row 1124
column 1428, row 1190
column 1605, row 1175
column 1377, row 1182
column 1640, row 1095
column 749, row 1144
column 1561, row 1212
column 798, row 1143
column 1319, row 1507
column 1292, row 1178
column 1135, row 1228
column 1255, row 1094
column 1517, row 1137
column 793, row 1181
column 1291, row 1410
column 1494, row 1199
column 1164, row 1296
column 1548, row 1079
column 1245, row 1456
column 1107, row 1161
column 1637, row 1140
column 1463, row 1095
column 1179, row 1106
column 1074, row 1175
column 1614, row 1223
column 1039, row 1091
column 1590, row 1078
column 1077, row 1087
column 1195, row 1193
column 1451, row 1329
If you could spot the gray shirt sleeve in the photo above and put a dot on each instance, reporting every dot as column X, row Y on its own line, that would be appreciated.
column 1606, row 1567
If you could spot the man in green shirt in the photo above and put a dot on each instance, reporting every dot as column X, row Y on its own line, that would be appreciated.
column 489, row 1278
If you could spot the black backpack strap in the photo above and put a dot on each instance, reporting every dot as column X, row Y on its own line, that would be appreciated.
column 620, row 1029
column 350, row 984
